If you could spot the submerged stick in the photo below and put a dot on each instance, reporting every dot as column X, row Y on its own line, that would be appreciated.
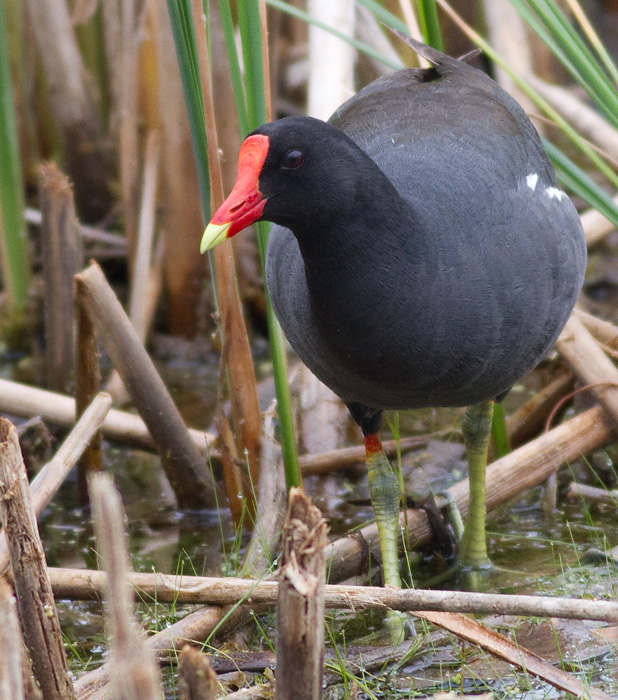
column 591, row 494
column 35, row 599
column 196, row 678
column 53, row 474
column 76, row 584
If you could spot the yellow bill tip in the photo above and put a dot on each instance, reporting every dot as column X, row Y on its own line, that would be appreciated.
column 213, row 235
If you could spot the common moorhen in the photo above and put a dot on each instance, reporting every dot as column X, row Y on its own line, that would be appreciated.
column 422, row 256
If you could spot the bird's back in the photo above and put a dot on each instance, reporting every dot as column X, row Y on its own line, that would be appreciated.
column 500, row 263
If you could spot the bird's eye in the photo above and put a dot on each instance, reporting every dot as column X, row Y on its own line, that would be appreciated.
column 293, row 159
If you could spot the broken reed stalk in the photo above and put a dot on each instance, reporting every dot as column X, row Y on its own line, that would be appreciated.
column 138, row 306
column 504, row 648
column 88, row 381
column 591, row 494
column 11, row 647
column 300, row 601
column 132, row 669
column 529, row 420
column 591, row 364
column 35, row 600
column 235, row 348
column 604, row 332
column 271, row 504
column 62, row 258
column 52, row 475
column 196, row 678
column 141, row 303
column 183, row 464
column 121, row 426
column 78, row 584
column 234, row 478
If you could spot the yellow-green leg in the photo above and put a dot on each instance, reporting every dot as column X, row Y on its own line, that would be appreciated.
column 476, row 429
column 385, row 499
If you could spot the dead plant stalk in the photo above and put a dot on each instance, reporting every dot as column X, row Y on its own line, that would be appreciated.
column 86, row 585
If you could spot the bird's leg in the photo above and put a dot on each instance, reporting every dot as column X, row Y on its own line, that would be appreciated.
column 385, row 499
column 476, row 429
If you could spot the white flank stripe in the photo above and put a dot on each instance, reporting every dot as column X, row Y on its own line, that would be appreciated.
column 555, row 193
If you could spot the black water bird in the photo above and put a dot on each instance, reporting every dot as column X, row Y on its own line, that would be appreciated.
column 423, row 255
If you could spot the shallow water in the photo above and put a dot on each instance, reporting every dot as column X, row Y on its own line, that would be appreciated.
column 532, row 552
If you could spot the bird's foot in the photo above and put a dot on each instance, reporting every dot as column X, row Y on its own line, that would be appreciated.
column 399, row 626
column 472, row 565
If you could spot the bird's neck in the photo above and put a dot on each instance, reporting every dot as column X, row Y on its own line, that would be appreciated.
column 368, row 225
column 364, row 248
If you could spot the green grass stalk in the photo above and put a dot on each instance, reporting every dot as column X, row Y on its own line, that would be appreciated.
column 235, row 72
column 188, row 62
column 13, row 233
column 428, row 20
column 556, row 30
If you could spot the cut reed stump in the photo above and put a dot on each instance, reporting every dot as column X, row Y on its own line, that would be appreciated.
column 62, row 258
column 300, row 603
column 183, row 464
column 53, row 474
column 196, row 678
column 35, row 600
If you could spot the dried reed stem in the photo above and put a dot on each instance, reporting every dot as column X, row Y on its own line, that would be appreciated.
column 35, row 600
column 53, row 474
column 133, row 673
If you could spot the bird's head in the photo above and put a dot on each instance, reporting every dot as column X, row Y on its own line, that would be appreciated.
column 290, row 172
